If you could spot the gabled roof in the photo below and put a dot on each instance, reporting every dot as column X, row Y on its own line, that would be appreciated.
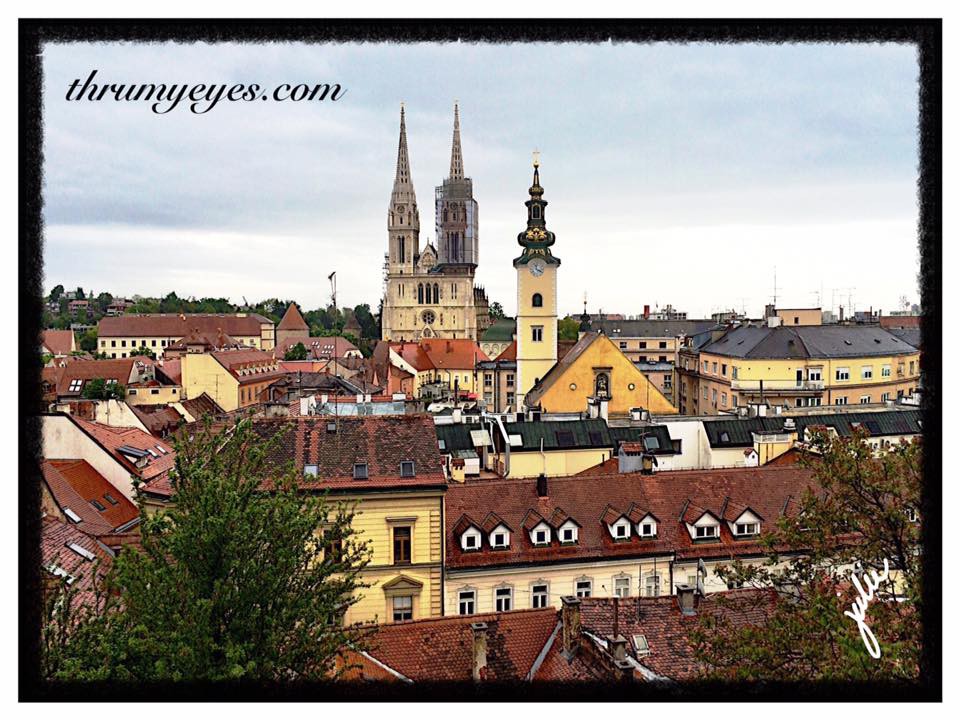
column 509, row 352
column 561, row 517
column 58, row 558
column 732, row 510
column 202, row 405
column 119, row 370
column 177, row 325
column 464, row 523
column 293, row 320
column 75, row 483
column 319, row 348
column 665, row 495
column 492, row 521
column 215, row 339
column 58, row 342
column 459, row 354
column 808, row 341
column 335, row 445
column 249, row 366
column 157, row 461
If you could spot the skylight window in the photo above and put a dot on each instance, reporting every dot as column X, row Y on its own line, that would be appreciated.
column 153, row 453
column 81, row 551
column 98, row 505
column 60, row 572
column 651, row 442
column 640, row 645
column 75, row 385
column 71, row 514
column 360, row 471
column 110, row 499
column 724, row 437
column 310, row 470
column 407, row 469
column 442, row 444
column 565, row 438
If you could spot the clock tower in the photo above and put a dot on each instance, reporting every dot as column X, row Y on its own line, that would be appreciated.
column 536, row 294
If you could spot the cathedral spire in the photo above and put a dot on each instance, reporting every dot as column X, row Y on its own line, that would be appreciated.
column 456, row 153
column 402, row 182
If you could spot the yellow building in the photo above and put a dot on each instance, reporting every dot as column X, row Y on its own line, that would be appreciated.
column 118, row 336
column 517, row 544
column 391, row 467
column 595, row 369
column 536, row 294
column 232, row 378
column 799, row 316
column 803, row 366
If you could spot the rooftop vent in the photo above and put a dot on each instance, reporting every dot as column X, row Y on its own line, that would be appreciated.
column 71, row 514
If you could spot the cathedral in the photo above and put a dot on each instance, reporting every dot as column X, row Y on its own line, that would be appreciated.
column 429, row 292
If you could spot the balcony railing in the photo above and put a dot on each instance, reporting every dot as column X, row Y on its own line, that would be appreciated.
column 777, row 385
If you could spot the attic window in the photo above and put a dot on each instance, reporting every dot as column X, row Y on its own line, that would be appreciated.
column 310, row 470
column 621, row 530
column 748, row 528
column 470, row 540
column 98, row 505
column 565, row 438
column 651, row 442
column 442, row 444
column 541, row 536
column 640, row 645
column 360, row 471
column 568, row 533
column 500, row 538
column 648, row 529
column 81, row 551
column 331, row 427
column 110, row 498
column 71, row 514
column 706, row 531
column 724, row 437
column 407, row 469
column 75, row 385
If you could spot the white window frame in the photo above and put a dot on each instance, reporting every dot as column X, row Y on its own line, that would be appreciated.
column 583, row 587
column 643, row 525
column 842, row 374
column 536, row 595
column 743, row 529
column 621, row 586
column 815, row 374
column 500, row 530
column 536, row 333
column 864, row 399
column 470, row 534
column 714, row 532
column 620, row 524
column 472, row 600
column 866, row 372
column 656, row 585
column 886, row 371
column 75, row 385
column 503, row 598
column 569, row 527
column 540, row 527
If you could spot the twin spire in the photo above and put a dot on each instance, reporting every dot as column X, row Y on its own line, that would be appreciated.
column 402, row 181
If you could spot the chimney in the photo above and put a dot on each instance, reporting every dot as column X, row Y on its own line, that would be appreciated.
column 542, row 485
column 841, row 313
column 618, row 647
column 687, row 599
column 646, row 312
column 479, row 650
column 570, row 620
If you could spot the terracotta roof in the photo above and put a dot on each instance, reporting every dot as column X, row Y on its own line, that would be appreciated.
column 174, row 325
column 160, row 454
column 413, row 354
column 215, row 339
column 319, row 348
column 383, row 442
column 59, row 342
column 248, row 366
column 202, row 405
column 171, row 368
column 119, row 370
column 664, row 494
column 292, row 319
column 666, row 630
column 58, row 558
column 76, row 485
column 441, row 649
column 159, row 420
column 509, row 352
column 455, row 354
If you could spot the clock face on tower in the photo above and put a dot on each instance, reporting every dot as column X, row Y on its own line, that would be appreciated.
column 537, row 267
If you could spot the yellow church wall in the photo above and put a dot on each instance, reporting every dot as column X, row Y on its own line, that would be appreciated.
column 534, row 359
column 569, row 392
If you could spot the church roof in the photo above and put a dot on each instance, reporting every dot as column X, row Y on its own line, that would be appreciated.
column 293, row 320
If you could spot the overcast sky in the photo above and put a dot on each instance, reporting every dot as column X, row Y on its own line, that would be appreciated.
column 678, row 174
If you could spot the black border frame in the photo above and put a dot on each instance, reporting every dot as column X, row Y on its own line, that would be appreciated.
column 925, row 34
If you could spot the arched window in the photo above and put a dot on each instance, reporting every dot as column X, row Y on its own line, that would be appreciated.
column 537, row 300
column 535, row 212
column 420, row 293
column 602, row 388
column 445, row 215
column 436, row 293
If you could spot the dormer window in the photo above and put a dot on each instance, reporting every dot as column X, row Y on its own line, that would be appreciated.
column 500, row 537
column 746, row 525
column 568, row 532
column 620, row 529
column 310, row 470
column 750, row 528
column 470, row 540
column 647, row 528
column 407, row 469
column 704, row 532
column 540, row 535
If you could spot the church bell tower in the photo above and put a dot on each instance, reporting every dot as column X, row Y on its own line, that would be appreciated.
column 536, row 294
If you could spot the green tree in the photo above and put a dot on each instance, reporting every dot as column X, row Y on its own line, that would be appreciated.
column 240, row 578
column 56, row 293
column 568, row 328
column 861, row 517
column 297, row 352
column 103, row 301
column 100, row 389
column 80, row 295
column 496, row 311
column 88, row 341
column 368, row 323
column 143, row 350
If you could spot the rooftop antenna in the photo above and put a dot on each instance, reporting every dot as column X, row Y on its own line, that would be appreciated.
column 774, row 286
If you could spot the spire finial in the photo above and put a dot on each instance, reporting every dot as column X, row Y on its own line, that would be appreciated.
column 456, row 152
column 536, row 158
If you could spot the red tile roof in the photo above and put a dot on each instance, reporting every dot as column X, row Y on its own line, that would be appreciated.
column 59, row 342
column 171, row 368
column 413, row 354
column 460, row 354
column 74, row 484
column 319, row 348
column 441, row 649
column 240, row 363
column 58, row 558
column 665, row 495
column 667, row 631
column 292, row 319
column 509, row 352
column 209, row 339
column 119, row 370
column 202, row 405
column 382, row 442
column 173, row 325
column 112, row 439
